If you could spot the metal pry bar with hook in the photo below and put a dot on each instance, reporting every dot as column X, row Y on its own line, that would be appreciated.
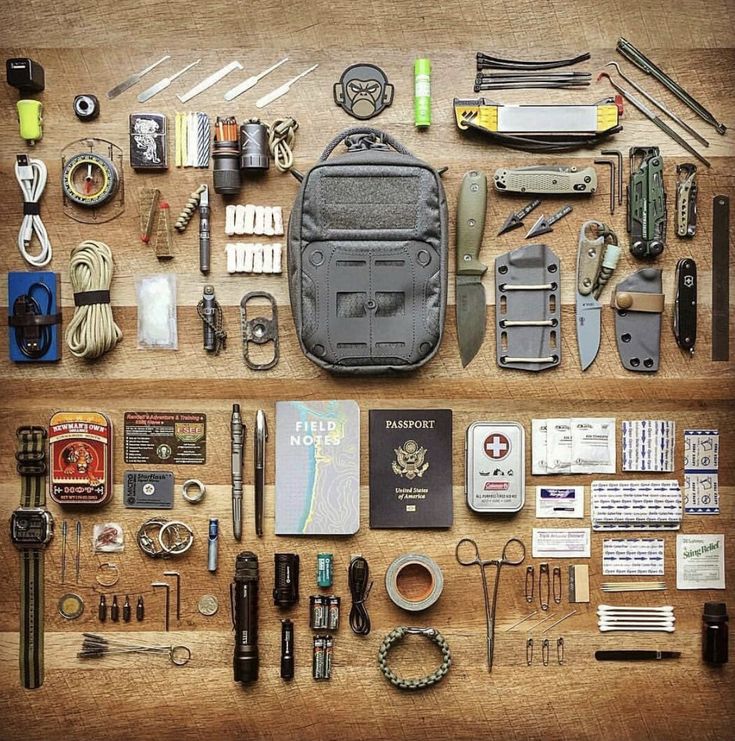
column 641, row 61
column 684, row 125
column 651, row 116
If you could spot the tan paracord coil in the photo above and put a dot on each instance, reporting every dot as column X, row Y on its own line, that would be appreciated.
column 92, row 330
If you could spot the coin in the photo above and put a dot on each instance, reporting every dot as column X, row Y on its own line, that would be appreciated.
column 208, row 605
column 71, row 606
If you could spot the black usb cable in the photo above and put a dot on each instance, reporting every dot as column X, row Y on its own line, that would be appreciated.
column 360, row 586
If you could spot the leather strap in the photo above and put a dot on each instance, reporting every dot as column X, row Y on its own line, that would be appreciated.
column 31, row 618
column 31, row 466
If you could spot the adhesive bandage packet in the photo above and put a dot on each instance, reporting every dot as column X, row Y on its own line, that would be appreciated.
column 559, row 543
column 701, row 464
column 648, row 445
column 633, row 557
column 560, row 501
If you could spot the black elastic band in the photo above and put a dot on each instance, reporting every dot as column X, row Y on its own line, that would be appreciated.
column 87, row 298
column 31, row 208
column 34, row 320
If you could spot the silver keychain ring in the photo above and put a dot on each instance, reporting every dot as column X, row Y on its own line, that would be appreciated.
column 193, row 490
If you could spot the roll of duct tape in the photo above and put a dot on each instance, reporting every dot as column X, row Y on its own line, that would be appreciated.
column 414, row 582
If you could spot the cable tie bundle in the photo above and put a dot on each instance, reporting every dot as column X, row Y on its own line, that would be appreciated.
column 92, row 330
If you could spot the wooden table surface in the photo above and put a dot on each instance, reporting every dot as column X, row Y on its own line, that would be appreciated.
column 87, row 48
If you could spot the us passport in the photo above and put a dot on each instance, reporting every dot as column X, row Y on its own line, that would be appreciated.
column 410, row 468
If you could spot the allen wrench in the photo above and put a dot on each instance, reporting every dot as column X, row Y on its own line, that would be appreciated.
column 619, row 156
column 611, row 165
column 167, row 587
column 177, row 576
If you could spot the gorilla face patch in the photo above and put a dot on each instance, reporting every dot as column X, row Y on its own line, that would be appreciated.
column 363, row 91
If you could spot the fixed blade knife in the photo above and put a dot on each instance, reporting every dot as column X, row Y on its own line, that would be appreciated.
column 588, row 310
column 471, row 308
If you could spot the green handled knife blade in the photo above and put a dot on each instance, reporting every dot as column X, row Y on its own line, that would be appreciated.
column 471, row 308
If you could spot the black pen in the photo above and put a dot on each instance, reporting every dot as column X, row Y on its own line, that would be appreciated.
column 636, row 655
column 261, row 435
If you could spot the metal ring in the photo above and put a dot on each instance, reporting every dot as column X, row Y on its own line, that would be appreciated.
column 148, row 537
column 179, row 655
column 193, row 484
column 404, row 601
column 103, row 568
column 178, row 546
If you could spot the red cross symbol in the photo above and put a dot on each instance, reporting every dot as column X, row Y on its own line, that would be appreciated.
column 497, row 446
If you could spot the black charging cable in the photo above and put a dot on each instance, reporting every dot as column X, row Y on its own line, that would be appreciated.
column 360, row 586
column 32, row 337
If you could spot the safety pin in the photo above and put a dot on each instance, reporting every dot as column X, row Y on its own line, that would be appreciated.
column 556, row 580
column 529, row 651
column 530, row 578
column 543, row 571
column 522, row 620
column 560, row 650
column 545, row 652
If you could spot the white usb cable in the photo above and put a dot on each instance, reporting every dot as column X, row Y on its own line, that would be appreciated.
column 31, row 175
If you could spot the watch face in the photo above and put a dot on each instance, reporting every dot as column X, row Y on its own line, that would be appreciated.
column 31, row 527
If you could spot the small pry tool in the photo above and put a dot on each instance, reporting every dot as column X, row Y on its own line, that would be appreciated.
column 204, row 232
column 515, row 220
column 176, row 576
column 79, row 550
column 64, row 534
column 283, row 89
column 167, row 587
column 135, row 78
column 245, row 85
column 544, row 224
column 164, row 83
column 207, row 82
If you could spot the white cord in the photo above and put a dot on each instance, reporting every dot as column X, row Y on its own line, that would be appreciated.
column 31, row 175
column 92, row 330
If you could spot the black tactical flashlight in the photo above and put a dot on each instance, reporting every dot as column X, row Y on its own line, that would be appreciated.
column 244, row 602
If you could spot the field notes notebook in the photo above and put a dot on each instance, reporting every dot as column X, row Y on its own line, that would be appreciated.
column 317, row 467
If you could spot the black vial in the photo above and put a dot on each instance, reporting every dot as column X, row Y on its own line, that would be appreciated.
column 286, row 589
column 714, row 633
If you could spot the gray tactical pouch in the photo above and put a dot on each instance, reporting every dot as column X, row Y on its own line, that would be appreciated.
column 367, row 257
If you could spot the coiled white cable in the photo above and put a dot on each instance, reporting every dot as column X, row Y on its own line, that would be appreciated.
column 31, row 175
column 92, row 330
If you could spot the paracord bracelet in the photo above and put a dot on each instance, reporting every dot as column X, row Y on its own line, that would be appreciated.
column 414, row 684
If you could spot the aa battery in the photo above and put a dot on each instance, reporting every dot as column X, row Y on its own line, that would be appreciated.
column 422, row 93
column 324, row 563
column 321, row 665
column 324, row 612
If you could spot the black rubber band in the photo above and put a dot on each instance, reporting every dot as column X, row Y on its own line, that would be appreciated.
column 34, row 320
column 31, row 208
column 87, row 298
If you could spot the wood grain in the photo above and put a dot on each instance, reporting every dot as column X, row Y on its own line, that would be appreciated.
column 88, row 48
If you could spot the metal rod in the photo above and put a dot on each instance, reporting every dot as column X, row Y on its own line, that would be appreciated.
column 684, row 125
column 522, row 620
column 560, row 620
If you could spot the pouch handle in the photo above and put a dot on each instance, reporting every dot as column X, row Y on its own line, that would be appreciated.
column 384, row 138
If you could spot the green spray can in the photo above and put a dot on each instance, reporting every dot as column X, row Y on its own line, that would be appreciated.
column 422, row 93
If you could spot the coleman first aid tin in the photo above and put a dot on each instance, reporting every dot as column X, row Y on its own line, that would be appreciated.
column 495, row 466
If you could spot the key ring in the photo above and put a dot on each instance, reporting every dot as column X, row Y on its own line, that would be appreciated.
column 436, row 676
column 179, row 655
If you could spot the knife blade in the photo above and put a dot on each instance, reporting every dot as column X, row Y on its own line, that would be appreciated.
column 471, row 307
column 588, row 310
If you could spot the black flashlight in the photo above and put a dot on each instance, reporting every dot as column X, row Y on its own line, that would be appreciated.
column 244, row 603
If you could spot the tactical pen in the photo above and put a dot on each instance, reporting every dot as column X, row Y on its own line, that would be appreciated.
column 237, row 432
column 204, row 241
column 261, row 435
